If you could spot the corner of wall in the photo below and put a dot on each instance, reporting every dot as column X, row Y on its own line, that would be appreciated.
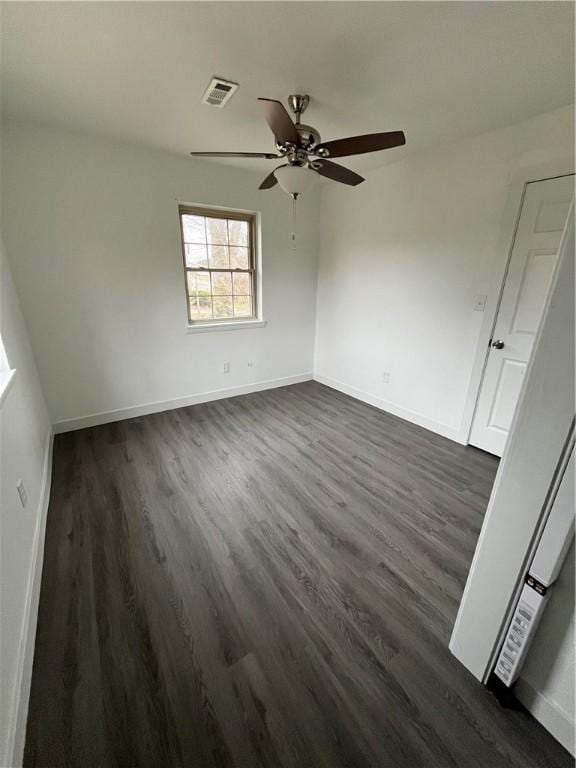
column 14, row 750
column 556, row 722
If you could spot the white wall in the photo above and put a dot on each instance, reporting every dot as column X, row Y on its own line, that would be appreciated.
column 402, row 258
column 99, row 269
column 24, row 454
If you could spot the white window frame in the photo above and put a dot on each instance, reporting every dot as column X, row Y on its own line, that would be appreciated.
column 235, row 323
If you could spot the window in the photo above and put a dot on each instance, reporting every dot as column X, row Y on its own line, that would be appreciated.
column 219, row 265
column 6, row 373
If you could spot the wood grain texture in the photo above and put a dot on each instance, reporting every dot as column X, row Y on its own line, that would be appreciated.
column 269, row 580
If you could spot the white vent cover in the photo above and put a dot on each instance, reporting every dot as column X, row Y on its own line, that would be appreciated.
column 219, row 92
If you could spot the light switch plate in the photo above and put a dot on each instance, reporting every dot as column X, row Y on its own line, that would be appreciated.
column 480, row 302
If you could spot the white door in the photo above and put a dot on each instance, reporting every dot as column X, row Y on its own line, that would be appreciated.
column 532, row 263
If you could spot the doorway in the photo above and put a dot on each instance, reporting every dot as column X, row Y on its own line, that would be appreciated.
column 542, row 218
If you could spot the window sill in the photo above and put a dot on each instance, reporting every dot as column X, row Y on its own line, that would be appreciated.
column 6, row 379
column 233, row 326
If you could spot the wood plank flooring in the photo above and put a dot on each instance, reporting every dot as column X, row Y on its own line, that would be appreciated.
column 269, row 580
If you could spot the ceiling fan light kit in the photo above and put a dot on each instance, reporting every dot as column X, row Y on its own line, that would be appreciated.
column 306, row 155
column 295, row 179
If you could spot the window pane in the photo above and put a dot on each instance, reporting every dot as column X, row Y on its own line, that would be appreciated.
column 198, row 284
column 223, row 306
column 201, row 308
column 218, row 257
column 238, row 232
column 242, row 284
column 242, row 306
column 194, row 230
column 196, row 256
column 222, row 283
column 239, row 258
column 217, row 231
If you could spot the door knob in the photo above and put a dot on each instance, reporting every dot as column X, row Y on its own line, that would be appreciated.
column 498, row 344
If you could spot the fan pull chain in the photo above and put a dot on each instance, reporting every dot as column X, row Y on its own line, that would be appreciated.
column 294, row 198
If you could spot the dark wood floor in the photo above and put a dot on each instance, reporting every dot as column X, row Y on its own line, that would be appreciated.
column 269, row 580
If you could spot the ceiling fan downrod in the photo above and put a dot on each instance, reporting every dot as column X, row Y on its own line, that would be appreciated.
column 298, row 104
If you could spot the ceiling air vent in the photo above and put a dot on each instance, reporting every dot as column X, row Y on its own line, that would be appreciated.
column 219, row 92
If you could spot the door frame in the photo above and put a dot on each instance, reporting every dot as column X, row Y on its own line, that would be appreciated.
column 506, row 239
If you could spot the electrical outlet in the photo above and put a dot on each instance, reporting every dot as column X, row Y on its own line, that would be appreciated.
column 386, row 377
column 226, row 368
column 22, row 493
column 250, row 364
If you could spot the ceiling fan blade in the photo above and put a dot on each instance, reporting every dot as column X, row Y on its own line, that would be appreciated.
column 279, row 121
column 358, row 145
column 270, row 180
column 266, row 155
column 337, row 172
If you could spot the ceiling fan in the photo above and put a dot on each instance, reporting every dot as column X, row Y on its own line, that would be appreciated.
column 305, row 153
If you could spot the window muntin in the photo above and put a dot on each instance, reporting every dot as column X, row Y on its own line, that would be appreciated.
column 219, row 265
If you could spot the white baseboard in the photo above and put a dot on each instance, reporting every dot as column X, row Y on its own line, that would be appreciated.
column 19, row 709
column 105, row 417
column 556, row 721
column 395, row 410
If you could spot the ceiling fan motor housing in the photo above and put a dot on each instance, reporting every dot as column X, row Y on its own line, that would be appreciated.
column 309, row 138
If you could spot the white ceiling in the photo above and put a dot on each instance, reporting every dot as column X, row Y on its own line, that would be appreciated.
column 137, row 70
